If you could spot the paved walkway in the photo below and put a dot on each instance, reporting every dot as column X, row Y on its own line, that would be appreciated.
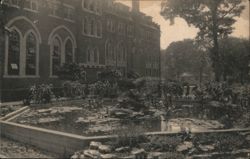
column 11, row 103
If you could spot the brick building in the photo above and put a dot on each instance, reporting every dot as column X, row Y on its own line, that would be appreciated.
column 41, row 35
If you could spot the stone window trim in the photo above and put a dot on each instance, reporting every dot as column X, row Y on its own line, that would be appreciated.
column 22, row 63
column 50, row 43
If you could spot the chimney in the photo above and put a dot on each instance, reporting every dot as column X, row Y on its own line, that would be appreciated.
column 136, row 5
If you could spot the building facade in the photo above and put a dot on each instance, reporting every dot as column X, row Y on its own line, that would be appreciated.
column 42, row 35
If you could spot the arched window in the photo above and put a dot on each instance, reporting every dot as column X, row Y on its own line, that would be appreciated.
column 92, row 27
column 121, row 55
column 31, row 54
column 89, row 56
column 56, row 56
column 68, row 52
column 95, row 28
column 124, row 54
column 85, row 25
column 96, row 56
column 119, row 52
column 14, row 53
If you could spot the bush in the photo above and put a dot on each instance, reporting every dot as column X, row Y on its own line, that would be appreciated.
column 112, row 76
column 39, row 94
column 72, row 72
column 73, row 89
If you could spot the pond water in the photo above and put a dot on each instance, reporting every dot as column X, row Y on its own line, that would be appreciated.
column 190, row 124
column 78, row 120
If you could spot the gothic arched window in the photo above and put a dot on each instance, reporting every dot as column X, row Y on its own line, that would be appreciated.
column 85, row 26
column 92, row 27
column 31, row 54
column 90, row 57
column 56, row 56
column 96, row 56
column 14, row 53
column 68, row 52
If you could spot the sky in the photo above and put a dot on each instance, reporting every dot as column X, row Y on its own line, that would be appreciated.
column 180, row 30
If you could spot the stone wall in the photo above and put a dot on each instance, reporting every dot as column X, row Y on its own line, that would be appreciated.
column 62, row 144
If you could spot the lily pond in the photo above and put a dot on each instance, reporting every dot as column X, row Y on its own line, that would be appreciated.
column 76, row 117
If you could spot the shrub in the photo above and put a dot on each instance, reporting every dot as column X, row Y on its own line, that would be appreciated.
column 72, row 72
column 73, row 89
column 40, row 94
column 110, row 75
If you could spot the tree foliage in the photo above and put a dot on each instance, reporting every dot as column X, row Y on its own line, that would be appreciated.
column 185, row 57
column 213, row 18
column 235, row 53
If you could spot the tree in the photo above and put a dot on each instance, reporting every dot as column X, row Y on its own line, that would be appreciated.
column 185, row 57
column 213, row 18
column 235, row 58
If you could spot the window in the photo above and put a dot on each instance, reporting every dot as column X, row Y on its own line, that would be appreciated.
column 31, row 5
column 95, row 28
column 113, row 26
column 88, row 56
column 54, row 8
column 109, row 25
column 92, row 27
column 56, row 56
column 15, row 3
column 85, row 26
column 98, row 9
column 99, row 29
column 91, row 6
column 93, row 56
column 85, row 3
column 68, row 52
column 31, row 49
column 68, row 12
column 14, row 53
column 96, row 56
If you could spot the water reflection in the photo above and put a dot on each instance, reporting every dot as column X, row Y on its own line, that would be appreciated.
column 188, row 124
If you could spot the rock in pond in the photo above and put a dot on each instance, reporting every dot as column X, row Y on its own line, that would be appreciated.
column 94, row 145
column 206, row 148
column 184, row 147
column 108, row 156
column 105, row 149
column 93, row 154
column 122, row 149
